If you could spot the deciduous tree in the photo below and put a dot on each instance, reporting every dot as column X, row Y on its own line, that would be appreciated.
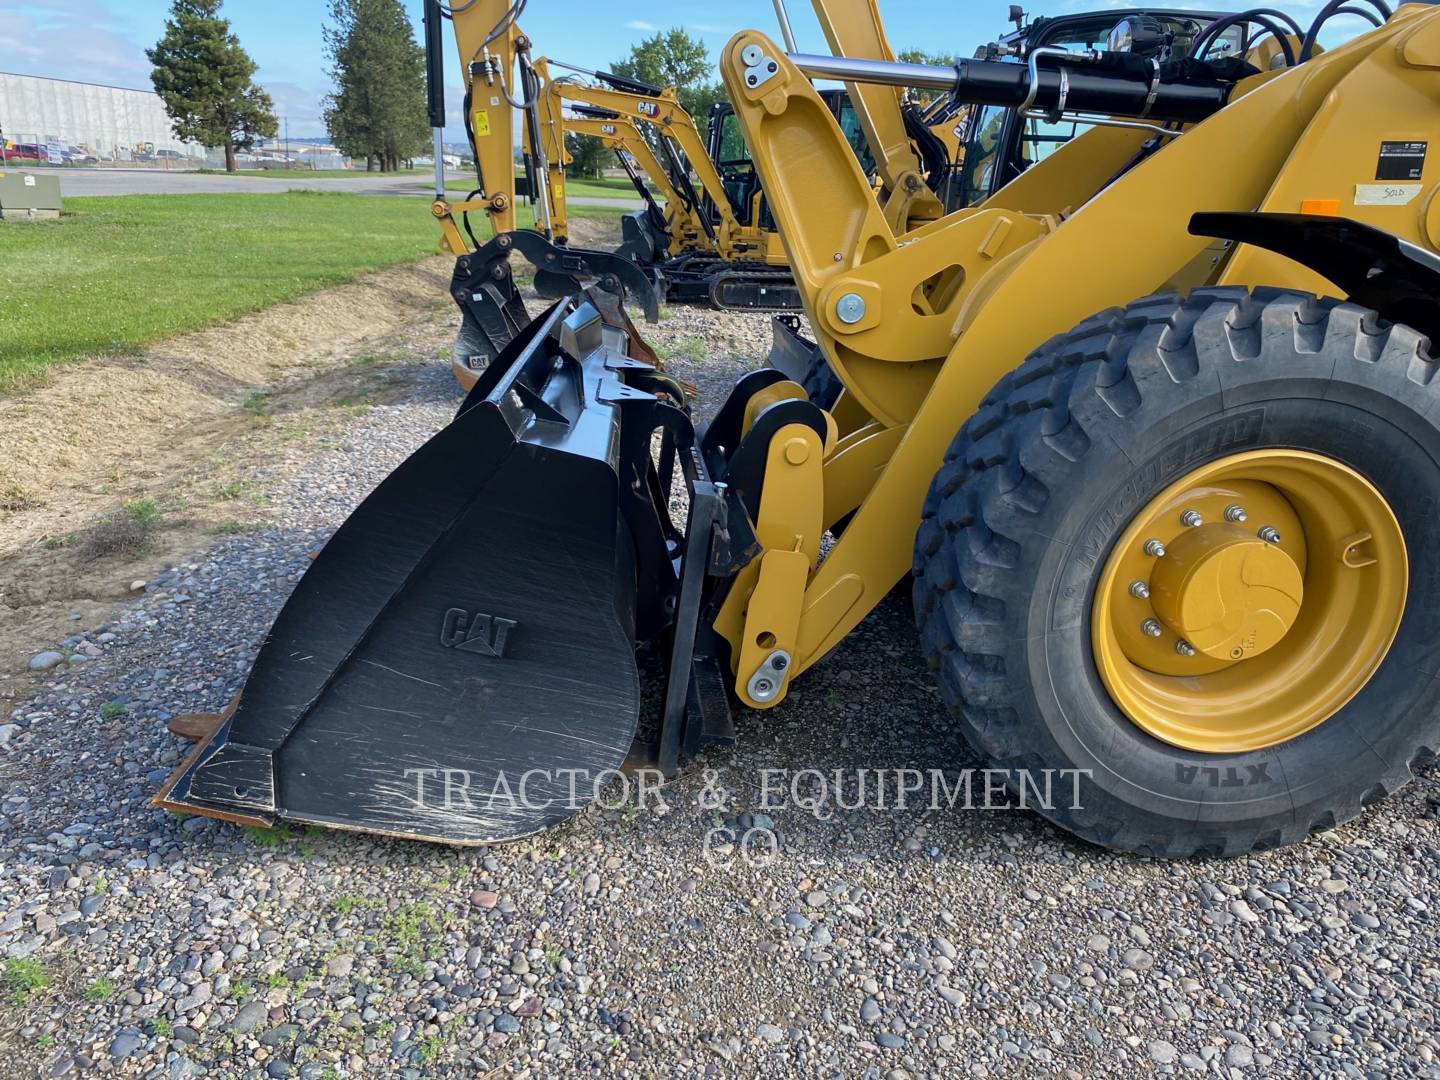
column 588, row 155
column 674, row 58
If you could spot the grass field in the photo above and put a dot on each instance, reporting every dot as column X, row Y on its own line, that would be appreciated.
column 118, row 272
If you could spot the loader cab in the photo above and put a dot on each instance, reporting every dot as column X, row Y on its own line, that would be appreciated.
column 1000, row 144
column 736, row 167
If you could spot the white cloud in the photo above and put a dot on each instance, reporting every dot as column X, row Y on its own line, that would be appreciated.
column 641, row 24
column 67, row 45
column 296, row 105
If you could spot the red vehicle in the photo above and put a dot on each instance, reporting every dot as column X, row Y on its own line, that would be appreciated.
column 26, row 152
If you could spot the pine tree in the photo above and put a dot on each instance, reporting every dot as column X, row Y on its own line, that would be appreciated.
column 205, row 79
column 378, row 108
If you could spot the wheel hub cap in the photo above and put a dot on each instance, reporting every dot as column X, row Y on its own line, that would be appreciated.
column 1249, row 601
column 1227, row 592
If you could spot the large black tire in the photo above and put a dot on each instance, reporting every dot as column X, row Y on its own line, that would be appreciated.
column 1067, row 448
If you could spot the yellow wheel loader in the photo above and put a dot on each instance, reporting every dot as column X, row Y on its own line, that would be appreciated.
column 1153, row 430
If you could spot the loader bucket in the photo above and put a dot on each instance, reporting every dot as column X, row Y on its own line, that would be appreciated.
column 459, row 662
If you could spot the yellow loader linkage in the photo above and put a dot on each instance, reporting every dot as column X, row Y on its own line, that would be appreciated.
column 1152, row 430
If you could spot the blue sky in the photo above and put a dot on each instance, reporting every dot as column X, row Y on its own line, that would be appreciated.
column 104, row 40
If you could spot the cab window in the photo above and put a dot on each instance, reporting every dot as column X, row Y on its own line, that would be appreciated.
column 1042, row 138
column 732, row 142
column 982, row 151
column 855, row 136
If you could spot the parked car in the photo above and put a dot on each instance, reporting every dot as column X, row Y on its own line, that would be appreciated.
column 26, row 152
column 78, row 155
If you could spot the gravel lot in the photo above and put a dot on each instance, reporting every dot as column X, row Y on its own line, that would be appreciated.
column 873, row 943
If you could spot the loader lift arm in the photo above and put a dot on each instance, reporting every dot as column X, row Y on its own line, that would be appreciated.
column 854, row 28
column 912, row 364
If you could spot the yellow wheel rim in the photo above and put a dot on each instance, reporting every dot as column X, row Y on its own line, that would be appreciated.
column 1249, row 601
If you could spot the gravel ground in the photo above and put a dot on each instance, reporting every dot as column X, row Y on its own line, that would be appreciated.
column 872, row 943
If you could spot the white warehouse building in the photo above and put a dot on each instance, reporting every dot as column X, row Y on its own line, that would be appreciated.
column 109, row 121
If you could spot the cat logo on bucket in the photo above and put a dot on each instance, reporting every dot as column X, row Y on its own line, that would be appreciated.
column 482, row 634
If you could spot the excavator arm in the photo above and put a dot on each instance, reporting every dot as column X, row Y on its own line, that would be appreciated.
column 662, row 113
column 682, row 219
column 501, row 79
column 490, row 42
column 854, row 28
column 568, row 107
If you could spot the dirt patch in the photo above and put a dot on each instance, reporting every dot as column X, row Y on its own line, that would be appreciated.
column 116, row 467
column 602, row 234
column 121, row 467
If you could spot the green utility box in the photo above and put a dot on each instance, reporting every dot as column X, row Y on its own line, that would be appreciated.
column 26, row 196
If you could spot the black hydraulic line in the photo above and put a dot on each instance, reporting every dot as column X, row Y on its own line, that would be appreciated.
column 1307, row 47
column 1373, row 17
column 465, row 218
column 1263, row 17
column 652, row 208
column 530, row 92
column 470, row 135
column 1202, row 41
column 680, row 178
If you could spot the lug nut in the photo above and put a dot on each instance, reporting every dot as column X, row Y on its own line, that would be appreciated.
column 1235, row 513
column 1139, row 590
column 1152, row 628
column 1191, row 518
column 1184, row 648
column 1269, row 535
column 1155, row 549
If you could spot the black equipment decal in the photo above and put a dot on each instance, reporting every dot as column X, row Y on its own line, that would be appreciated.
column 1401, row 160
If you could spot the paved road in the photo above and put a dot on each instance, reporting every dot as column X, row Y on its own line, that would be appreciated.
column 153, row 182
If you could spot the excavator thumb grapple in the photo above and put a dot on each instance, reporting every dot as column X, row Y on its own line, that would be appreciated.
column 426, row 678
column 492, row 309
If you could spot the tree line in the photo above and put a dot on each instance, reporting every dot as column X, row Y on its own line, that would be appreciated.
column 376, row 113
